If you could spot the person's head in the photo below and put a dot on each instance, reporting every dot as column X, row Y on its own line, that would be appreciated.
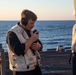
column 28, row 19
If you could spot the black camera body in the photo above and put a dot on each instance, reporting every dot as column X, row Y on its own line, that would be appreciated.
column 36, row 33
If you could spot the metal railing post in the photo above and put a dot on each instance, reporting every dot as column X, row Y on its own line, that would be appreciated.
column 2, row 59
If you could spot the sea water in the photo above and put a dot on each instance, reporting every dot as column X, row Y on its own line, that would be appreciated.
column 51, row 33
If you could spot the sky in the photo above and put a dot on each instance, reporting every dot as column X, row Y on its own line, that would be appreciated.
column 44, row 9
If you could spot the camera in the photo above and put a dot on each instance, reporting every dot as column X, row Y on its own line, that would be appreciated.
column 36, row 33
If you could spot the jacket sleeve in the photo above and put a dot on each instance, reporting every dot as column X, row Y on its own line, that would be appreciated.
column 14, row 43
column 41, row 45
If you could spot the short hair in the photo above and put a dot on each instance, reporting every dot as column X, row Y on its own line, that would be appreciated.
column 29, row 14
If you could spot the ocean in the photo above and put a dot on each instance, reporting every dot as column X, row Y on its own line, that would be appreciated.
column 52, row 33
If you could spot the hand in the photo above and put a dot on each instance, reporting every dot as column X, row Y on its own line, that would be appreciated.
column 35, row 36
column 36, row 46
column 70, row 58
